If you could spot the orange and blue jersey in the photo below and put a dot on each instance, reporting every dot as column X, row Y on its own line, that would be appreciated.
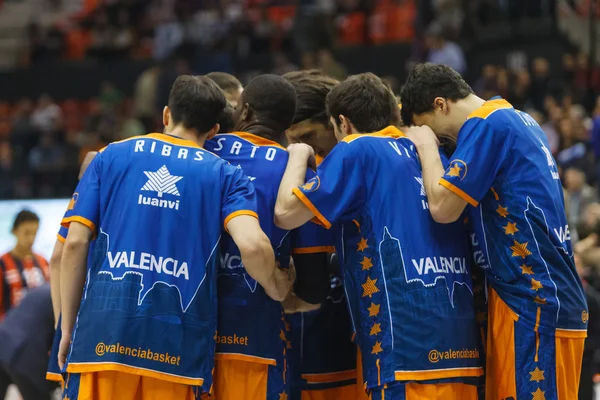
column 407, row 278
column 251, row 325
column 322, row 354
column 157, row 206
column 504, row 169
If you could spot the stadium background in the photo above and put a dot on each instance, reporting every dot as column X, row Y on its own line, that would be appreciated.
column 78, row 74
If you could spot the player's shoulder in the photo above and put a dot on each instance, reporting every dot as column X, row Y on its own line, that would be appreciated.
column 496, row 112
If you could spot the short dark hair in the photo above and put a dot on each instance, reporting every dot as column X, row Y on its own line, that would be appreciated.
column 365, row 100
column 426, row 82
column 226, row 82
column 272, row 99
column 25, row 216
column 226, row 121
column 196, row 102
column 312, row 88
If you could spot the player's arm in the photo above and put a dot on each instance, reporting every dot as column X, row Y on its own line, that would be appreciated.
column 81, row 220
column 56, row 257
column 290, row 212
column 444, row 205
column 55, row 260
column 471, row 173
column 240, row 219
column 74, row 269
column 258, row 257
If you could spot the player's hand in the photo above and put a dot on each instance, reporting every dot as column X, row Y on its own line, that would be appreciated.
column 422, row 136
column 303, row 151
column 293, row 304
column 63, row 349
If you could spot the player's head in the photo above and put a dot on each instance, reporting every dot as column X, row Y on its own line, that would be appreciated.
column 361, row 104
column 268, row 101
column 226, row 121
column 432, row 96
column 230, row 85
column 311, row 123
column 25, row 228
column 195, row 104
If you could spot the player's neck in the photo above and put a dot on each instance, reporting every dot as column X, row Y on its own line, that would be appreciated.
column 187, row 134
column 263, row 131
column 464, row 108
column 21, row 252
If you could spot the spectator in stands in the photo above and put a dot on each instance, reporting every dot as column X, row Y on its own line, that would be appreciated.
column 123, row 38
column 26, row 336
column 23, row 135
column 581, row 195
column 110, row 97
column 6, row 173
column 21, row 269
column 542, row 84
column 591, row 351
column 330, row 67
column 263, row 31
column 144, row 97
column 443, row 51
column 168, row 35
column 129, row 125
column 47, row 116
column 102, row 37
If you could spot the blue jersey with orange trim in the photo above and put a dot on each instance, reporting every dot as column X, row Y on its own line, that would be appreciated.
column 407, row 278
column 251, row 325
column 504, row 169
column 157, row 205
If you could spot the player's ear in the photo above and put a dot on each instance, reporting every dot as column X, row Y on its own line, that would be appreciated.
column 345, row 125
column 440, row 104
column 166, row 115
column 214, row 130
column 245, row 111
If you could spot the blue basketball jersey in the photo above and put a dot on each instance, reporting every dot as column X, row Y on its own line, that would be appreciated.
column 407, row 278
column 504, row 169
column 157, row 206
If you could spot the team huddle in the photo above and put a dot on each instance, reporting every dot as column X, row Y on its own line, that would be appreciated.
column 310, row 239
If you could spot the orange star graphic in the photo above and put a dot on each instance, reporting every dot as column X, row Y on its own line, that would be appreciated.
column 539, row 300
column 283, row 396
column 308, row 185
column 377, row 348
column 536, row 285
column 537, row 375
column 282, row 335
column 362, row 245
column 502, row 211
column 454, row 170
column 288, row 344
column 366, row 263
column 374, row 310
column 538, row 395
column 511, row 228
column 527, row 270
column 520, row 249
column 369, row 287
column 375, row 329
column 288, row 327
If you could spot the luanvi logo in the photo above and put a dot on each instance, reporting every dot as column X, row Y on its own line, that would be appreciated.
column 161, row 182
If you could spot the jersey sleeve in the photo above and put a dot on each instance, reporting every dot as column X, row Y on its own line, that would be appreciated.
column 239, row 197
column 85, row 203
column 62, row 234
column 475, row 163
column 312, row 238
column 337, row 189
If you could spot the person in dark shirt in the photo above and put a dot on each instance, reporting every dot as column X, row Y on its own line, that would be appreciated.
column 26, row 336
